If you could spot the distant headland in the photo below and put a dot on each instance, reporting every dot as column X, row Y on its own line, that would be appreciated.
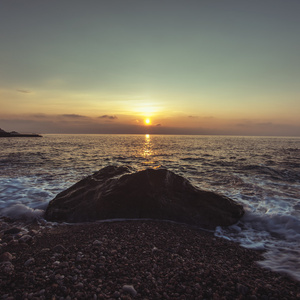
column 3, row 133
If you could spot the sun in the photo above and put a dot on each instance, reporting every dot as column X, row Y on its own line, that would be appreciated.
column 147, row 121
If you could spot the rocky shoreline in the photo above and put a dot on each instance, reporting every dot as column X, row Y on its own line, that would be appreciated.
column 131, row 260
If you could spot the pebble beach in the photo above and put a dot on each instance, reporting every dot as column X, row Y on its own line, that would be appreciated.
column 131, row 260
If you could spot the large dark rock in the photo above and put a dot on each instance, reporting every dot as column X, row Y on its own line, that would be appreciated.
column 116, row 192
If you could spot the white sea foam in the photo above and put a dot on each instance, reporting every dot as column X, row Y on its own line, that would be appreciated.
column 21, row 211
column 283, row 259
column 276, row 233
column 32, row 191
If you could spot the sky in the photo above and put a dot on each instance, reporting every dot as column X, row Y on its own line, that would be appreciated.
column 190, row 67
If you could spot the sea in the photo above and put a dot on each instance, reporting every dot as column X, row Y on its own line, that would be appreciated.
column 261, row 173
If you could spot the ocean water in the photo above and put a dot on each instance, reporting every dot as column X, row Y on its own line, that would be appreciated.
column 262, row 173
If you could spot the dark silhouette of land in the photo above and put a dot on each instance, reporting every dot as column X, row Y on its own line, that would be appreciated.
column 3, row 133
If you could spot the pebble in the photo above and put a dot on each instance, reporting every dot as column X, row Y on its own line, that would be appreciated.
column 42, row 292
column 29, row 261
column 25, row 238
column 79, row 285
column 13, row 230
column 7, row 267
column 56, row 263
column 6, row 256
column 45, row 250
column 241, row 289
column 154, row 249
column 129, row 289
column 97, row 243
column 116, row 294
column 196, row 267
column 60, row 249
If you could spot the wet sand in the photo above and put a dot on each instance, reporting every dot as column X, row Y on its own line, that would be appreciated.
column 131, row 260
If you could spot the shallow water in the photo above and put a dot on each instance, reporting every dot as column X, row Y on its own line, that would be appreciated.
column 261, row 173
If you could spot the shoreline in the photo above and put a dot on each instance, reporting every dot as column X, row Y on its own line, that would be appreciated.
column 132, row 259
column 20, row 135
column 4, row 133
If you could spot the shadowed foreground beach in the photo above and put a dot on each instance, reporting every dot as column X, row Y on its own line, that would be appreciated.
column 132, row 259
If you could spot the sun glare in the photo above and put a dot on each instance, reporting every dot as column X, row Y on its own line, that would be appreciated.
column 147, row 121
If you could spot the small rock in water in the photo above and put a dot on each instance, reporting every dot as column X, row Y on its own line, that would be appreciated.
column 129, row 289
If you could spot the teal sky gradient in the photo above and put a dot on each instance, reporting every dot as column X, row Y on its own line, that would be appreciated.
column 236, row 62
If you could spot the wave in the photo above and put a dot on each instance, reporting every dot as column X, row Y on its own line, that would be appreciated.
column 276, row 174
column 22, row 212
column 278, row 234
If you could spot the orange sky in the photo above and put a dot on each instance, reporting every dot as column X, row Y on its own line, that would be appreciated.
column 194, row 67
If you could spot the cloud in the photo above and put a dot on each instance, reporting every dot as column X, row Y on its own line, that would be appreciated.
column 108, row 117
column 201, row 117
column 24, row 91
column 249, row 123
column 265, row 124
column 39, row 116
column 73, row 116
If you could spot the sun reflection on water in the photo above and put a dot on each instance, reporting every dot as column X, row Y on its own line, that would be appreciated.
column 147, row 150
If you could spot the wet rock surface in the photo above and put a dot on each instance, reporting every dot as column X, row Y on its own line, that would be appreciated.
column 134, row 260
column 117, row 192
